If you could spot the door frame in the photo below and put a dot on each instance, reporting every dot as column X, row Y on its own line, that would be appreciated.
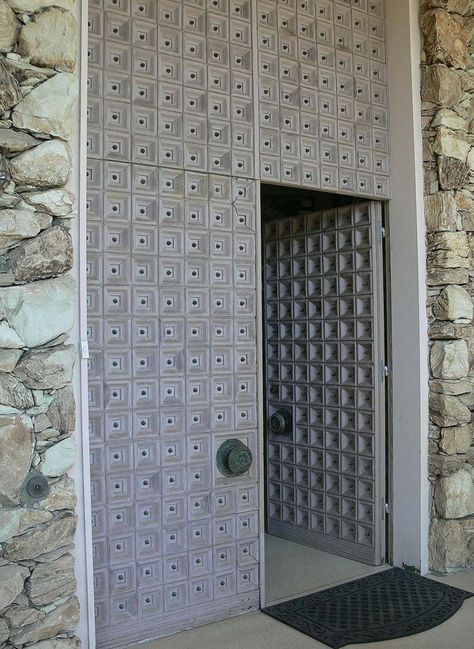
column 310, row 538
column 407, row 344
column 409, row 375
column 408, row 325
column 382, row 524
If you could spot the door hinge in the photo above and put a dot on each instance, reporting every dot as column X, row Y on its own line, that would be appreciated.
column 84, row 346
column 383, row 371
column 386, row 508
column 380, row 231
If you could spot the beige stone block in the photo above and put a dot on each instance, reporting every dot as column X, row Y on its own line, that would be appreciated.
column 45, row 166
column 446, row 410
column 454, row 495
column 449, row 119
column 455, row 242
column 48, row 255
column 441, row 212
column 451, row 145
column 51, row 536
column 454, row 303
column 445, row 41
column 444, row 465
column 41, row 311
column 50, row 581
column 440, row 85
column 57, row 202
column 456, row 439
column 49, row 108
column 60, row 620
column 449, row 360
column 8, row 27
column 62, row 411
column 447, row 545
column 4, row 630
column 15, row 141
column 465, row 204
column 453, row 6
column 17, row 446
column 59, row 458
column 15, row 521
column 470, row 160
column 18, row 224
column 12, row 579
column 9, row 358
column 62, row 495
column 47, row 369
column 14, row 396
column 10, row 93
column 20, row 616
column 452, row 173
column 452, row 387
column 447, row 259
column 50, row 39
column 58, row 643
column 449, row 330
column 443, row 276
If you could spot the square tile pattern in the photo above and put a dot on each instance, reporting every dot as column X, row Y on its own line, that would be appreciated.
column 321, row 342
column 183, row 97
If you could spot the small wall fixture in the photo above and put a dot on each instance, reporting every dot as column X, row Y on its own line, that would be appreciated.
column 281, row 422
column 234, row 458
column 35, row 488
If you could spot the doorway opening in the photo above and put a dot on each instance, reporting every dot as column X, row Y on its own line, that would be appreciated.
column 324, row 422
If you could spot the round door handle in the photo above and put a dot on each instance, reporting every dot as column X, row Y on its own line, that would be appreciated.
column 234, row 458
column 280, row 422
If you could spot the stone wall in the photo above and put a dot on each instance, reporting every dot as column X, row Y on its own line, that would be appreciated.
column 38, row 92
column 447, row 28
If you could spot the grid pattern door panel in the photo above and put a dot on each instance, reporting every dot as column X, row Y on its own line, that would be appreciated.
column 172, row 376
column 323, row 338
column 171, row 232
column 322, row 111
column 170, row 83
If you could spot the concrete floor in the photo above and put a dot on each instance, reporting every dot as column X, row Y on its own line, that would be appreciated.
column 293, row 569
column 306, row 570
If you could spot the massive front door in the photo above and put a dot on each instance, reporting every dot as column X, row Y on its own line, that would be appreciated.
column 325, row 424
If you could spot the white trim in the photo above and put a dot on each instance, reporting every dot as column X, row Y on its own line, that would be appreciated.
column 409, row 328
column 260, row 397
column 81, row 472
column 259, row 324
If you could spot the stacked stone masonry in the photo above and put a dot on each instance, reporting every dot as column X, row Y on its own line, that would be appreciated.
column 38, row 93
column 447, row 28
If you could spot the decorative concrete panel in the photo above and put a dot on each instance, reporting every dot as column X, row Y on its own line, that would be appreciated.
column 172, row 376
column 322, row 84
column 322, row 342
column 177, row 133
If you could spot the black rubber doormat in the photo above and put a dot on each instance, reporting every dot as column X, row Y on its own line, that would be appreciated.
column 390, row 604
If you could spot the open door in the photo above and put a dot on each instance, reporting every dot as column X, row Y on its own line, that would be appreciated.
column 324, row 364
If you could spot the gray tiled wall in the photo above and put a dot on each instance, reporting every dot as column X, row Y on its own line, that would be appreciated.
column 322, row 95
column 179, row 120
